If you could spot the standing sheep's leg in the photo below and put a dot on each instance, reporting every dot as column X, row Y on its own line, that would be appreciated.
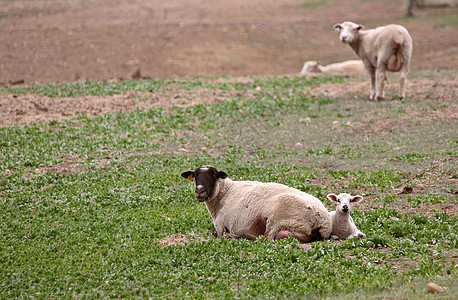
column 371, row 71
column 402, row 83
column 379, row 82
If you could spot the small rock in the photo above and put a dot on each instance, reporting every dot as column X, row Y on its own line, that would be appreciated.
column 434, row 288
column 258, row 88
column 335, row 123
column 183, row 150
column 16, row 82
column 298, row 145
column 306, row 247
column 420, row 186
column 203, row 149
column 137, row 74
column 394, row 219
column 305, row 121
column 406, row 190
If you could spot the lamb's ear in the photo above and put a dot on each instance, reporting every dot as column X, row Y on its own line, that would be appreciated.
column 356, row 199
column 189, row 175
column 337, row 27
column 332, row 197
column 360, row 27
column 222, row 175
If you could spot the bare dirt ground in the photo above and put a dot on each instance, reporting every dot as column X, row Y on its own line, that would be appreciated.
column 57, row 41
column 49, row 41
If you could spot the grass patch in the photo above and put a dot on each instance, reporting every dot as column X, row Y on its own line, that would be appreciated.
column 85, row 202
column 88, row 88
column 105, row 88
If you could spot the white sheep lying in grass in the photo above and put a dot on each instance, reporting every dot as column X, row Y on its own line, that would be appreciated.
column 385, row 48
column 343, row 226
column 249, row 209
column 349, row 67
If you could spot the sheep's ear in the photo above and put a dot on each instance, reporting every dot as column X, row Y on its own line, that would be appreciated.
column 356, row 199
column 189, row 175
column 337, row 27
column 222, row 175
column 332, row 197
column 360, row 27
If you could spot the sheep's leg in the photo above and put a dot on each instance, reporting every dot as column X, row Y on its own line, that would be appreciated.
column 360, row 235
column 284, row 234
column 371, row 71
column 379, row 82
column 402, row 83
column 357, row 234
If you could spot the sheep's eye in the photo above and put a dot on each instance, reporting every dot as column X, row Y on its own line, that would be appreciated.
column 354, row 29
column 338, row 200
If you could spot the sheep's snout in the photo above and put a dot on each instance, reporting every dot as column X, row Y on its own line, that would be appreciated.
column 345, row 208
column 344, row 38
column 200, row 193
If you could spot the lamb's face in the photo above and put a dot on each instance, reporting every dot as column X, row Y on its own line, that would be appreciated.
column 348, row 31
column 206, row 181
column 344, row 201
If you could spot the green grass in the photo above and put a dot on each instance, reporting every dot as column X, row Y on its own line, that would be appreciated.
column 84, row 202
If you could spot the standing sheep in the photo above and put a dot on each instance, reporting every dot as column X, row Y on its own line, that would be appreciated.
column 343, row 226
column 385, row 48
column 249, row 209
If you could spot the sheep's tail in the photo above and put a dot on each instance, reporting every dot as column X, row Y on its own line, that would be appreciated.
column 395, row 62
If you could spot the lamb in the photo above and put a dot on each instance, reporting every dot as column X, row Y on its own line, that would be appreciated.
column 349, row 67
column 385, row 48
column 249, row 209
column 343, row 226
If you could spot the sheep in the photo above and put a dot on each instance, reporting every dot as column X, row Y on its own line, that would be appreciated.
column 429, row 3
column 343, row 226
column 385, row 48
column 349, row 67
column 249, row 209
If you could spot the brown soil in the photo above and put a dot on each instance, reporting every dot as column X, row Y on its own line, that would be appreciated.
column 59, row 41
column 46, row 41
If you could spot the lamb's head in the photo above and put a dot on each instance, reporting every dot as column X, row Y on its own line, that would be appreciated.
column 344, row 201
column 310, row 67
column 348, row 31
column 206, row 181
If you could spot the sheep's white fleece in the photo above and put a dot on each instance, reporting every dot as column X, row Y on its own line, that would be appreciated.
column 240, row 207
column 348, row 67
column 343, row 226
column 385, row 48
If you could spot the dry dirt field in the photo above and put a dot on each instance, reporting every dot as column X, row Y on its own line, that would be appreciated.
column 48, row 41
column 56, row 41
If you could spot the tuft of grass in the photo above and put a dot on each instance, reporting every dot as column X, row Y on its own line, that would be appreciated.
column 409, row 157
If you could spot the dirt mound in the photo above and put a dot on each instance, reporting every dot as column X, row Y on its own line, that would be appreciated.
column 180, row 239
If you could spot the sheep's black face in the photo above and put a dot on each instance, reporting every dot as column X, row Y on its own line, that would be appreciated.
column 206, row 180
